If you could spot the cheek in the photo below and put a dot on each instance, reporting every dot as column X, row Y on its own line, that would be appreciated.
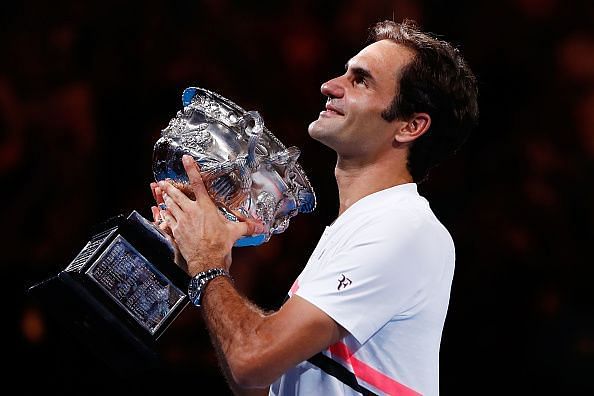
column 367, row 109
column 369, row 121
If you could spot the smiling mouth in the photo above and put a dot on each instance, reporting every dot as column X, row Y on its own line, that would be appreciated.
column 331, row 109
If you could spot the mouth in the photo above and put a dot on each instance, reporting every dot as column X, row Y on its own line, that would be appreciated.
column 331, row 109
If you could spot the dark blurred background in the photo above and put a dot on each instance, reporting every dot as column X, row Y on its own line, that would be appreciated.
column 86, row 87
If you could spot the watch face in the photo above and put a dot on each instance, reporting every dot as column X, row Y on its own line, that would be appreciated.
column 194, row 291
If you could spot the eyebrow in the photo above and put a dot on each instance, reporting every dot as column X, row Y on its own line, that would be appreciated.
column 360, row 72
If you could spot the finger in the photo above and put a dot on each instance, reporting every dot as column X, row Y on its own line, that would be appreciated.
column 158, row 194
column 196, row 181
column 172, row 206
column 154, row 186
column 156, row 215
column 174, row 195
column 248, row 227
column 168, row 218
column 165, row 228
column 238, row 215
column 160, row 222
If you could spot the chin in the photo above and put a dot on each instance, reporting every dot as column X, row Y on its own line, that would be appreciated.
column 314, row 129
column 318, row 130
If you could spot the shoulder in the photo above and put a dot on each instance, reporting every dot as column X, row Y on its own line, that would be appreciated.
column 409, row 214
column 403, row 229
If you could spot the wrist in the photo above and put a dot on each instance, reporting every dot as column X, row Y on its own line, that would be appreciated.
column 200, row 281
column 196, row 266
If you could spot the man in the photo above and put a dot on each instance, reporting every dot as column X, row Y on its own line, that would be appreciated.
column 374, row 294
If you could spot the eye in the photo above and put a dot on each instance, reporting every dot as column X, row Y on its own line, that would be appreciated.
column 360, row 80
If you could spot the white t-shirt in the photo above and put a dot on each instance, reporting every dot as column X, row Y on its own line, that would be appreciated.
column 383, row 271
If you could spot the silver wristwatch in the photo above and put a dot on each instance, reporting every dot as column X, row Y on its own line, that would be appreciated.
column 199, row 282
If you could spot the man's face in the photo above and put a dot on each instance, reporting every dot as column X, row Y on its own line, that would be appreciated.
column 352, row 124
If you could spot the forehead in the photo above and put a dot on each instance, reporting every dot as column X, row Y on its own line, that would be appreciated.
column 383, row 59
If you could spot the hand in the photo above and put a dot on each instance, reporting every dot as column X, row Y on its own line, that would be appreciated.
column 203, row 234
column 163, row 227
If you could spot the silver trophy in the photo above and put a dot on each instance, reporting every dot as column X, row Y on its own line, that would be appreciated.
column 246, row 169
column 123, row 289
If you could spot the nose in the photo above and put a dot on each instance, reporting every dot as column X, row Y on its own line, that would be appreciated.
column 332, row 89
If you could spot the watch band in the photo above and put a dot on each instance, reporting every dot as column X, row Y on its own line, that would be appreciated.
column 200, row 280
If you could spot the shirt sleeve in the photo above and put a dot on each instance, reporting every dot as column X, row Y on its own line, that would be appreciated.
column 382, row 271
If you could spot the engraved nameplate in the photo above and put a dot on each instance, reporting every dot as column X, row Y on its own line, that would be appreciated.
column 135, row 284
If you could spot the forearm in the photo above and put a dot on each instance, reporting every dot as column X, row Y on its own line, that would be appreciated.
column 235, row 326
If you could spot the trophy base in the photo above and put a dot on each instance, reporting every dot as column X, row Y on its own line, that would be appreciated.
column 86, row 320
column 118, row 295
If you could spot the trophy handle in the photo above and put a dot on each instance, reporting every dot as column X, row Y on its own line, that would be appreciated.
column 287, row 157
column 252, row 162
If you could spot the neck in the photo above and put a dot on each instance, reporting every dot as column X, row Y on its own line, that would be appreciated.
column 357, row 179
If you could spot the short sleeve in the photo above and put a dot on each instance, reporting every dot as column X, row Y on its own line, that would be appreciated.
column 382, row 270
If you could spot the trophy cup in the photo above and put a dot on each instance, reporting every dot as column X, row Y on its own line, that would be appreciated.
column 123, row 289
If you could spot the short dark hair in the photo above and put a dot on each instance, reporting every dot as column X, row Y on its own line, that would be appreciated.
column 437, row 81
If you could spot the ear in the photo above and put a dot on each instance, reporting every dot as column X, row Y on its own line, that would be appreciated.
column 417, row 125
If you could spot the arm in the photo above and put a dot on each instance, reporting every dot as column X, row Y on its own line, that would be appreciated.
column 260, row 347
column 257, row 347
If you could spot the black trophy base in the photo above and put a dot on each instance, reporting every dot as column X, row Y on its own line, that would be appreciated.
column 118, row 295
column 89, row 324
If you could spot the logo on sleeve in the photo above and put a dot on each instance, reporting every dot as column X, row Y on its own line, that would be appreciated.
column 344, row 282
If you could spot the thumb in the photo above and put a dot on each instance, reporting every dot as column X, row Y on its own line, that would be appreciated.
column 248, row 227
